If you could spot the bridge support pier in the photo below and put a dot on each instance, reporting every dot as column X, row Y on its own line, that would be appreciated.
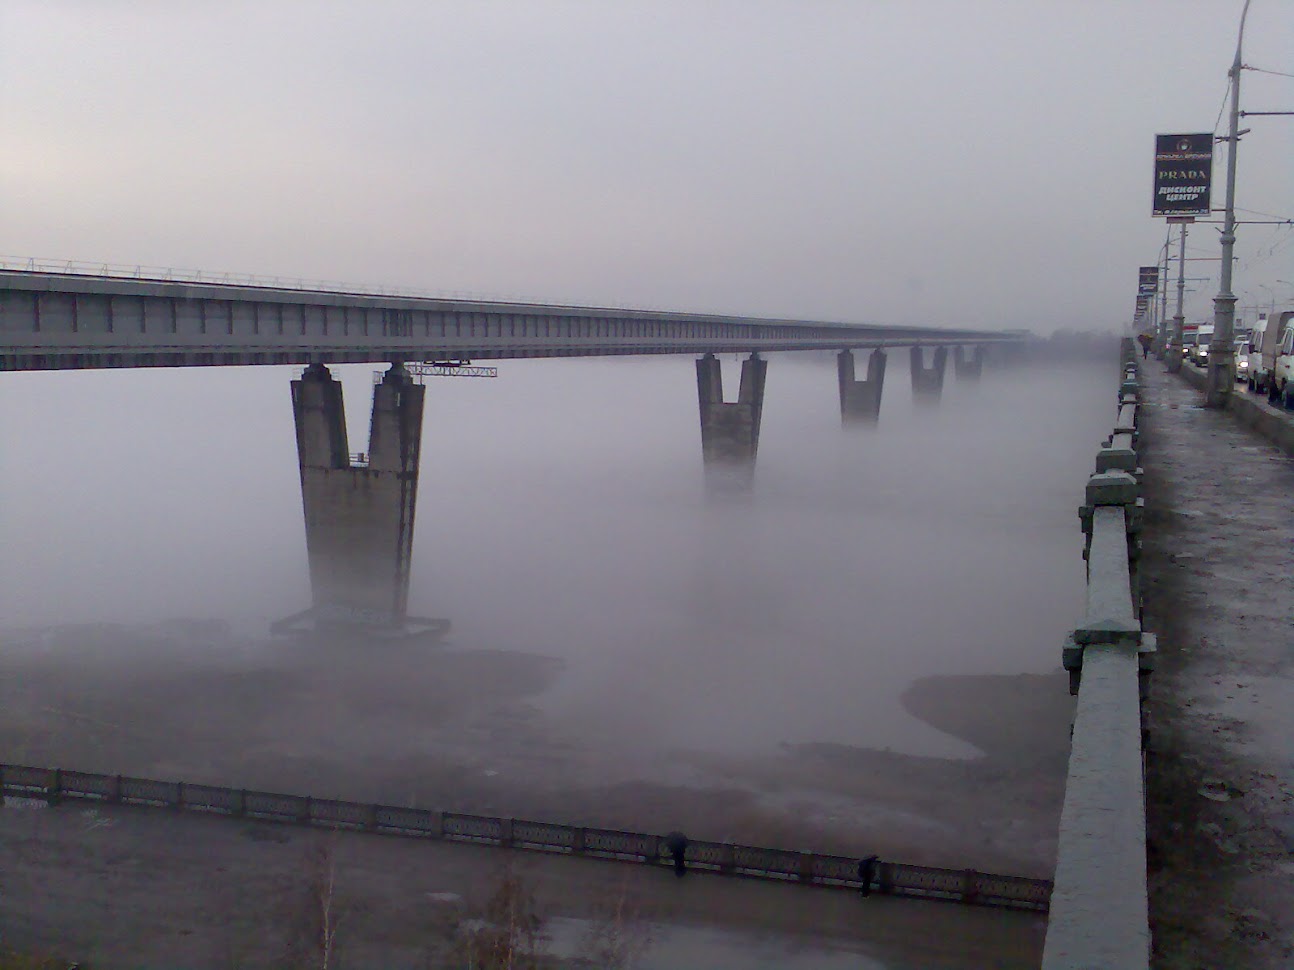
column 358, row 510
column 968, row 362
column 730, row 432
column 860, row 401
column 928, row 382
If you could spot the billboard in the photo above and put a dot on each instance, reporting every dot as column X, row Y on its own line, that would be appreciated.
column 1147, row 280
column 1183, row 174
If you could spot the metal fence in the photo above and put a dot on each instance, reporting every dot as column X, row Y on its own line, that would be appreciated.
column 805, row 868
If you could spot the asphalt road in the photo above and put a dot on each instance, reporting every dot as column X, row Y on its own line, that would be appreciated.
column 1217, row 558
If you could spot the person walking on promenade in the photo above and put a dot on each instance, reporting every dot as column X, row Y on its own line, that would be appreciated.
column 866, row 872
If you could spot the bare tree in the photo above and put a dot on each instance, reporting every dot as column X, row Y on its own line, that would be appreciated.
column 618, row 932
column 508, row 932
column 316, row 909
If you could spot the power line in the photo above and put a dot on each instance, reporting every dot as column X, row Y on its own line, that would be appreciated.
column 1223, row 106
column 1263, row 70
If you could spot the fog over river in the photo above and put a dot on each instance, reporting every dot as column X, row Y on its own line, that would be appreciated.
column 830, row 660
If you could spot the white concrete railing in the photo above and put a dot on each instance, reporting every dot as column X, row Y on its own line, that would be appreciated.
column 1099, row 912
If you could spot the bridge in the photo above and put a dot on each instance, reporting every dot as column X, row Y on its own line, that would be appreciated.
column 359, row 503
column 68, row 320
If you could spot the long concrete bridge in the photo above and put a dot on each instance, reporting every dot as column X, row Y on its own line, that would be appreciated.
column 55, row 321
column 359, row 505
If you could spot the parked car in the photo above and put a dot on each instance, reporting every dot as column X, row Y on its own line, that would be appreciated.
column 1241, row 354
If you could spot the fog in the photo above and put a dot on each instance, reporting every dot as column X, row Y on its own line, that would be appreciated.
column 978, row 164
column 625, row 648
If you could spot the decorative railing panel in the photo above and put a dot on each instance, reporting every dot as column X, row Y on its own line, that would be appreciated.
column 754, row 861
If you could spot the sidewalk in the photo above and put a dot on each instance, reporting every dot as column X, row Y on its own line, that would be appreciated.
column 1218, row 581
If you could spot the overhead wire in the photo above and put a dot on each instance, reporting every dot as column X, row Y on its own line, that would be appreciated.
column 1263, row 70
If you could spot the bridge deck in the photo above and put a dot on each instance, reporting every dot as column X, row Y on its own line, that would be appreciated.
column 69, row 320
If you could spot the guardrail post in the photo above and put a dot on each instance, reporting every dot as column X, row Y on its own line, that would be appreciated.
column 54, row 790
column 242, row 802
column 179, row 796
column 115, row 797
column 651, row 854
column 505, row 832
column 370, row 823
column 577, row 841
column 1, row 786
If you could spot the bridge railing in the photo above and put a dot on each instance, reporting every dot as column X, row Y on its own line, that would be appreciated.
column 171, row 274
column 725, row 858
column 1098, row 912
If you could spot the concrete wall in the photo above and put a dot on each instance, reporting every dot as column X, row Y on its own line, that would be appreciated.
column 1252, row 410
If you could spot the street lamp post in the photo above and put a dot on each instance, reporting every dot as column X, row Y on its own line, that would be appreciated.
column 1222, row 351
column 1173, row 358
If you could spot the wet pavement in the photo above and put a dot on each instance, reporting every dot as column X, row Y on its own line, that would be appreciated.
column 1217, row 558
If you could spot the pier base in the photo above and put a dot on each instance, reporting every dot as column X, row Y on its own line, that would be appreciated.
column 968, row 363
column 928, row 382
column 860, row 401
column 730, row 432
column 359, row 509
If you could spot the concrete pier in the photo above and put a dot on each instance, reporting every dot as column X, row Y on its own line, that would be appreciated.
column 730, row 432
column 968, row 362
column 928, row 382
column 359, row 512
column 860, row 401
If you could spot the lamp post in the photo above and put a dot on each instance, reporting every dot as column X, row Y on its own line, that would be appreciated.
column 1222, row 358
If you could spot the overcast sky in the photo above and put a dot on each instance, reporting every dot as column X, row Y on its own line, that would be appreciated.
column 967, row 162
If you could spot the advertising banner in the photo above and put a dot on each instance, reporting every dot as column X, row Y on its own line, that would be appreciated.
column 1183, row 175
column 1148, row 280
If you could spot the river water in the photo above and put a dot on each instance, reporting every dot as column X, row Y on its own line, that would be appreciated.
column 562, row 515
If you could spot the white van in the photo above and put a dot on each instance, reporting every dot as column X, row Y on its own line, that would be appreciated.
column 1257, row 374
column 1204, row 338
column 1283, row 369
column 1262, row 351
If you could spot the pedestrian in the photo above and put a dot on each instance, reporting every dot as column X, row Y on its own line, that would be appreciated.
column 676, row 842
column 866, row 871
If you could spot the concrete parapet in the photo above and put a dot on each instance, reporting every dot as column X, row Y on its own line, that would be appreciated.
column 1098, row 906
column 730, row 432
column 928, row 382
column 1112, row 488
column 1099, row 915
column 359, row 515
column 860, row 401
column 1111, row 615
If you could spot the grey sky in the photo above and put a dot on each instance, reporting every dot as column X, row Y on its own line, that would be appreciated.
column 964, row 163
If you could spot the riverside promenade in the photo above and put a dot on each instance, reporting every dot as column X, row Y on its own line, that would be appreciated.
column 1218, row 590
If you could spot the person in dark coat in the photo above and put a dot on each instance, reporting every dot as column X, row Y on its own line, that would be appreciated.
column 866, row 872
column 676, row 842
